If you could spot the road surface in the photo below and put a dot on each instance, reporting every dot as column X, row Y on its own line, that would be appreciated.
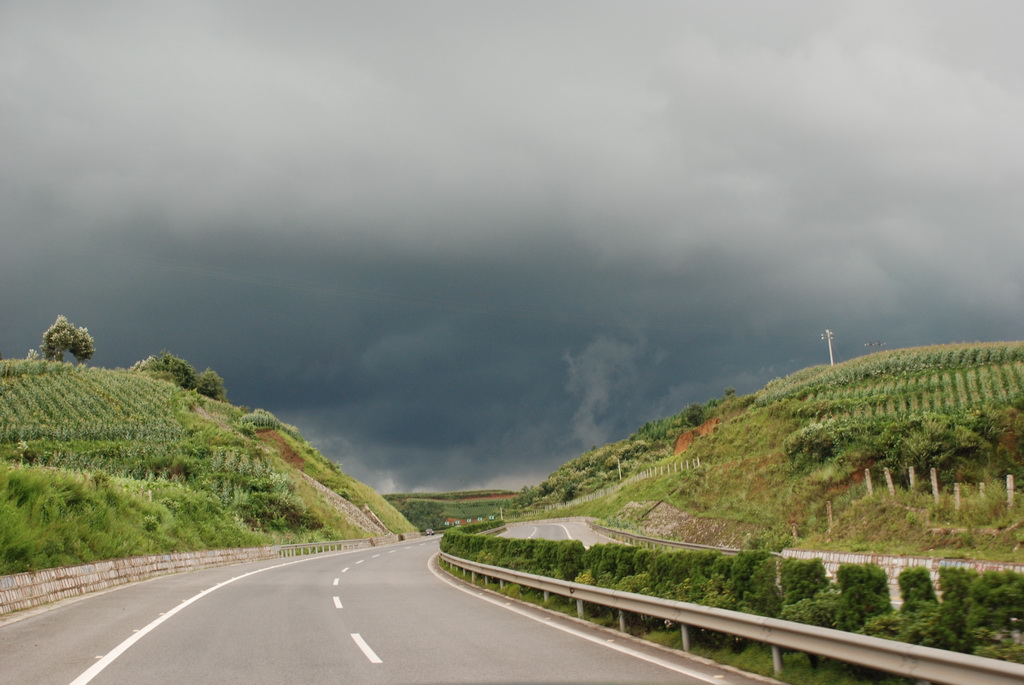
column 569, row 530
column 381, row 615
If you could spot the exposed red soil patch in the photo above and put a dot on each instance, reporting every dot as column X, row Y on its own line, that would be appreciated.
column 283, row 448
column 684, row 441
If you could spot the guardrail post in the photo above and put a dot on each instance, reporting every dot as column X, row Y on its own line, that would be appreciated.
column 685, row 631
column 547, row 595
column 777, row 659
column 622, row 620
column 579, row 609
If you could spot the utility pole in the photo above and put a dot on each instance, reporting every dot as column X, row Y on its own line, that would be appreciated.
column 829, row 335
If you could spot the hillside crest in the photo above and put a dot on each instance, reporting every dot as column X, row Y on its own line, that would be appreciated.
column 162, row 468
column 807, row 460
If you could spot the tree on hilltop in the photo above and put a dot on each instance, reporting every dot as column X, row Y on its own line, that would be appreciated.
column 63, row 337
column 176, row 369
column 83, row 347
column 210, row 383
column 179, row 370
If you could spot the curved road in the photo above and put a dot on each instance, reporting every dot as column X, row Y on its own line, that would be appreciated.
column 569, row 530
column 381, row 615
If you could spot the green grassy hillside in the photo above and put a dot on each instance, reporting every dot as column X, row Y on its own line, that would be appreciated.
column 432, row 509
column 779, row 458
column 98, row 463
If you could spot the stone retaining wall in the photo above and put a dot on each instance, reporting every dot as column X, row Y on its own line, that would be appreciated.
column 894, row 564
column 33, row 588
column 351, row 511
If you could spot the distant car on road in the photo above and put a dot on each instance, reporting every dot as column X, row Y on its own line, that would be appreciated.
column 430, row 531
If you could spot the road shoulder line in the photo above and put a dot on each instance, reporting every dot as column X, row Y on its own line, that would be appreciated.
column 531, row 611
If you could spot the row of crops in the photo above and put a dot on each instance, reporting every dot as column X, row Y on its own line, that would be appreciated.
column 941, row 391
column 945, row 379
column 143, row 461
column 85, row 404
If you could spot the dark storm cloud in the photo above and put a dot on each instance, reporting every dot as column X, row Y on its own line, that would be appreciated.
column 456, row 243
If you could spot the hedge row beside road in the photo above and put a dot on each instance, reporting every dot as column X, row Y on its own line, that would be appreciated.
column 979, row 614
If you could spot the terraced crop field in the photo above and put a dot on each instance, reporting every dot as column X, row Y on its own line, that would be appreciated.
column 50, row 401
column 941, row 379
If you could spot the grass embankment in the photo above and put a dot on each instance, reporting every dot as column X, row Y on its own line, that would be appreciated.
column 97, row 464
column 777, row 459
column 433, row 509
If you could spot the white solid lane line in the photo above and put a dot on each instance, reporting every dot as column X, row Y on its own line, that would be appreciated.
column 361, row 643
column 572, row 631
column 109, row 658
column 568, row 534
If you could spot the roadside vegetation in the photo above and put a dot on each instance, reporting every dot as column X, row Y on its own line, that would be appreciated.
column 771, row 465
column 98, row 464
column 977, row 614
column 432, row 510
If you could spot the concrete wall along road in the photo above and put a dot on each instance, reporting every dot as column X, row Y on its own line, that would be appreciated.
column 33, row 588
column 894, row 564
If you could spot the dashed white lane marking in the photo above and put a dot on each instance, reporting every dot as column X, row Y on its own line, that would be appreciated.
column 109, row 658
column 361, row 643
column 361, row 561
column 335, row 581
column 337, row 603
column 375, row 556
column 344, row 569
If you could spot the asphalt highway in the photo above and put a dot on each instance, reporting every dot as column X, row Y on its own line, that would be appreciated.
column 569, row 530
column 382, row 615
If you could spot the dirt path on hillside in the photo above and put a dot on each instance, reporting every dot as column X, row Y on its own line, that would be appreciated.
column 283, row 448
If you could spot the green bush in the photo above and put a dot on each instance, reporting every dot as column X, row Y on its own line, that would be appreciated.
column 821, row 441
column 956, row 606
column 183, row 373
column 260, row 419
column 802, row 579
column 932, row 440
column 754, row 577
column 819, row 610
column 863, row 594
column 916, row 589
column 210, row 384
column 923, row 627
column 996, row 604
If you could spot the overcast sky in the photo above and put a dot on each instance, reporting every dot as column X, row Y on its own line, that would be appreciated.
column 458, row 243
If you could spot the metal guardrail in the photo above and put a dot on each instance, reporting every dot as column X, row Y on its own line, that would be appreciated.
column 910, row 661
column 644, row 541
column 302, row 549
